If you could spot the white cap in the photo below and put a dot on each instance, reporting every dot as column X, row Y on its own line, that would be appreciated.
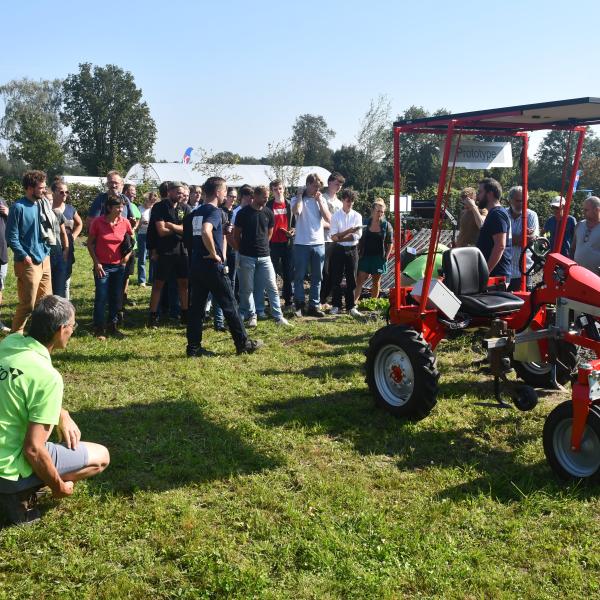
column 557, row 202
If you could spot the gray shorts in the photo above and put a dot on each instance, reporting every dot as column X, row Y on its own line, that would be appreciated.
column 64, row 460
column 3, row 273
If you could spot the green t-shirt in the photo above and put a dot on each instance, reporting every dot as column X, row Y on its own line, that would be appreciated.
column 31, row 390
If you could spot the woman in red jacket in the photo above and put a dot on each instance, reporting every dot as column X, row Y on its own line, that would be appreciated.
column 110, row 255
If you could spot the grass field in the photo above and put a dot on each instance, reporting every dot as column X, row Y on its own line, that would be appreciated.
column 273, row 476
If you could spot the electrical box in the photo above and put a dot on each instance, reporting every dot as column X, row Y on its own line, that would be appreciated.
column 439, row 297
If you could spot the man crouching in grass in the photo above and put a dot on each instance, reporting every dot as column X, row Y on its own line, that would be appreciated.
column 31, row 392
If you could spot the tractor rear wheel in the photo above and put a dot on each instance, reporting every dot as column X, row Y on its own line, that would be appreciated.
column 565, row 463
column 539, row 374
column 402, row 373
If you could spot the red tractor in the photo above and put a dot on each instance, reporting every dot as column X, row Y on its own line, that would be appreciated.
column 537, row 333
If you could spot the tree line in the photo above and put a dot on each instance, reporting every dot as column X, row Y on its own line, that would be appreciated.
column 96, row 120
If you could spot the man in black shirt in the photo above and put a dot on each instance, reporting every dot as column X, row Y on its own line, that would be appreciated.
column 252, row 233
column 166, row 219
column 208, row 272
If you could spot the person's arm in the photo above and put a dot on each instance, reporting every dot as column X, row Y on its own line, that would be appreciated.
column 64, row 240
column 12, row 235
column 324, row 210
column 77, row 225
column 477, row 216
column 573, row 244
column 497, row 250
column 36, row 454
column 164, row 228
column 271, row 232
column 389, row 244
column 237, row 237
column 209, row 243
column 67, row 430
column 297, row 204
column 91, row 246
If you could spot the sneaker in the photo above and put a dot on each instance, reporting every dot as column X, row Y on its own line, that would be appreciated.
column 335, row 310
column 114, row 332
column 129, row 302
column 313, row 311
column 355, row 313
column 143, row 284
column 20, row 508
column 199, row 353
column 252, row 322
column 283, row 322
column 298, row 311
column 4, row 328
column 250, row 346
column 221, row 328
column 99, row 334
column 153, row 320
column 262, row 317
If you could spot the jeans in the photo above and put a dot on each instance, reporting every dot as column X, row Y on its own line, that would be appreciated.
column 210, row 279
column 59, row 270
column 257, row 273
column 326, row 280
column 343, row 262
column 108, row 288
column 303, row 256
column 282, row 257
column 142, row 254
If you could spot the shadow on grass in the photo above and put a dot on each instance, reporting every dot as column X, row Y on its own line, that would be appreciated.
column 165, row 445
column 488, row 444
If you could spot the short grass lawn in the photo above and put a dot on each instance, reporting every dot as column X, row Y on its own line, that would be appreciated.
column 274, row 476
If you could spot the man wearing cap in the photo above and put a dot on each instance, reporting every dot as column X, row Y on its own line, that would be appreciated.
column 550, row 226
column 586, row 241
column 167, row 220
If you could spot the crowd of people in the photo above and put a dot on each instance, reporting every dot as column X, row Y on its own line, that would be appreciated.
column 203, row 246
column 315, row 236
column 497, row 231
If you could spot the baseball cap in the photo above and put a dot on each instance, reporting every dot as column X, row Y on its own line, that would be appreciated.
column 557, row 202
column 174, row 184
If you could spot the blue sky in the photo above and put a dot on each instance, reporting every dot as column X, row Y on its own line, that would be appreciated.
column 234, row 75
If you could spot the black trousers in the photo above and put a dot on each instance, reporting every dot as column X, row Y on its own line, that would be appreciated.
column 343, row 263
column 283, row 262
column 205, row 280
column 326, row 280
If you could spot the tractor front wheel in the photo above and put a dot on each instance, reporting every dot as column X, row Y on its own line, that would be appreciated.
column 567, row 464
column 402, row 372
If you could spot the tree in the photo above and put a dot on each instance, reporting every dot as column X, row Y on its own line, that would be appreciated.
column 419, row 154
column 550, row 156
column 373, row 142
column 111, row 125
column 590, row 177
column 311, row 135
column 216, row 164
column 347, row 161
column 285, row 159
column 31, row 123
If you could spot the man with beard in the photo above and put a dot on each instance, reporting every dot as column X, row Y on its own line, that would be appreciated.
column 495, row 235
column 31, row 250
column 167, row 220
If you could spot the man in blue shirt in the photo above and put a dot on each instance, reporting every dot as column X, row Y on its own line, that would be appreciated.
column 495, row 236
column 30, row 248
column 557, row 206
column 208, row 272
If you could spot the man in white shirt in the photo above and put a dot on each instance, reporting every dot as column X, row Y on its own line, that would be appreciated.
column 334, row 184
column 345, row 230
column 310, row 210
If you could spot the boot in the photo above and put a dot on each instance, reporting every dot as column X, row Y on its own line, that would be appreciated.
column 114, row 332
column 99, row 333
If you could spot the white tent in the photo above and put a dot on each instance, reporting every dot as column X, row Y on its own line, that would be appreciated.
column 197, row 173
column 98, row 182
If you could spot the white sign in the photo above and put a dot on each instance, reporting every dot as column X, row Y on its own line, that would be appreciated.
column 473, row 154
column 405, row 203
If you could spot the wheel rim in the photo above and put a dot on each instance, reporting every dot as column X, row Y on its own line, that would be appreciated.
column 584, row 463
column 394, row 375
column 537, row 368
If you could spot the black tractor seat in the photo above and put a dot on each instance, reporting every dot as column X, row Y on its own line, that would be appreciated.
column 466, row 274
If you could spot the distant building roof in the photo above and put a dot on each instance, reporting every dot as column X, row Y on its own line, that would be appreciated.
column 197, row 173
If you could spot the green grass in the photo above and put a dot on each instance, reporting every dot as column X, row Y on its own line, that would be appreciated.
column 273, row 476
